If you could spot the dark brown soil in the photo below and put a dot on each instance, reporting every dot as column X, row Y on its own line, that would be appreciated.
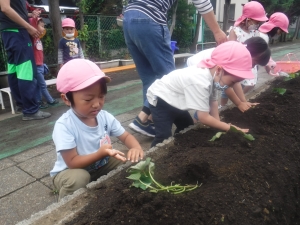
column 243, row 182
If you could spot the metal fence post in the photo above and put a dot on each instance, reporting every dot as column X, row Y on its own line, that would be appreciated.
column 99, row 33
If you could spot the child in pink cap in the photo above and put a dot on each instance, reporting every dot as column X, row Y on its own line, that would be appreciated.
column 277, row 24
column 82, row 134
column 244, row 28
column 69, row 46
column 194, row 88
column 260, row 54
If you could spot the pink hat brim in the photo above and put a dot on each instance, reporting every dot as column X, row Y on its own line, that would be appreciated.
column 245, row 74
column 89, row 82
column 242, row 18
column 266, row 27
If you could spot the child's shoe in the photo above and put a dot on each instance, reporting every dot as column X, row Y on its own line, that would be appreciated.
column 55, row 101
column 143, row 128
column 43, row 105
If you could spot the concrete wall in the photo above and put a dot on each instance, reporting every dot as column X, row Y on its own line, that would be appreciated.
column 219, row 10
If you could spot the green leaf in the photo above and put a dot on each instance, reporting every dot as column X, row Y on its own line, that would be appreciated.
column 138, row 184
column 233, row 129
column 134, row 176
column 280, row 91
column 141, row 165
column 249, row 137
column 146, row 180
column 218, row 135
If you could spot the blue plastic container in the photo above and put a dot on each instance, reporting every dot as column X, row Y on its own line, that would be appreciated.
column 173, row 46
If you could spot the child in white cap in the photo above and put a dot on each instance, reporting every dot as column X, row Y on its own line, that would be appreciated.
column 195, row 87
column 69, row 46
column 82, row 134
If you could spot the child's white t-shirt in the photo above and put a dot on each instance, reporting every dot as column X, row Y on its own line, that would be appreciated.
column 184, row 89
column 70, row 132
column 197, row 58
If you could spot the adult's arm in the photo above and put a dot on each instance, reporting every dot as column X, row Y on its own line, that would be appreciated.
column 14, row 16
column 205, row 8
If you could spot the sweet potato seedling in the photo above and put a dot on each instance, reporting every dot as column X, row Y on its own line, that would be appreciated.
column 233, row 129
column 142, row 176
column 280, row 91
column 292, row 76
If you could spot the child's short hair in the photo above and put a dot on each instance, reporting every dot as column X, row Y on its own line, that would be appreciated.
column 259, row 50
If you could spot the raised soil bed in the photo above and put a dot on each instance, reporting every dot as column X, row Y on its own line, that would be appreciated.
column 243, row 182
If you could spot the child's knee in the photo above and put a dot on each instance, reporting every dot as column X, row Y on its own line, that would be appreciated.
column 72, row 181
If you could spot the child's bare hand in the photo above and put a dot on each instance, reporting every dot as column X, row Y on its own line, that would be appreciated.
column 135, row 154
column 240, row 129
column 116, row 154
column 244, row 106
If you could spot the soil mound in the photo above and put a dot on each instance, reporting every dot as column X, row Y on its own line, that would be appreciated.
column 243, row 182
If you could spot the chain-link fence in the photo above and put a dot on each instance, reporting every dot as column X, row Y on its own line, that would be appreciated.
column 104, row 40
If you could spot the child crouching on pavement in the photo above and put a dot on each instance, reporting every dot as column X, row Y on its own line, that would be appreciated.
column 194, row 87
column 82, row 134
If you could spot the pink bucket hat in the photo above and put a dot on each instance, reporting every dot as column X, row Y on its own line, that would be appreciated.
column 276, row 20
column 253, row 10
column 67, row 22
column 233, row 57
column 78, row 74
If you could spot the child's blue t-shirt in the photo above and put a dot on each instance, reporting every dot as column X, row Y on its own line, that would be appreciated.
column 68, row 50
column 70, row 132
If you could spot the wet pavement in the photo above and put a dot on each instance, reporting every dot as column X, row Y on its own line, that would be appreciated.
column 27, row 152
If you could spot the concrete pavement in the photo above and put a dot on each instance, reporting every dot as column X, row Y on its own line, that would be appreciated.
column 25, row 186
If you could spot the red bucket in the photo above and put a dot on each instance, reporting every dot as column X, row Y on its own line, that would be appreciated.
column 287, row 66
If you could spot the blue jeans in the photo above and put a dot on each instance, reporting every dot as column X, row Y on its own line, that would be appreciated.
column 149, row 44
column 164, row 115
column 42, row 87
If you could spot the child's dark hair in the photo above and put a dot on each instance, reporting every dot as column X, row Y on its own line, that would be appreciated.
column 272, row 32
column 103, row 88
column 259, row 50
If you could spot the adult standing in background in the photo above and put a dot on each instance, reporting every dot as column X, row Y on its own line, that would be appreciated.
column 15, row 31
column 148, row 39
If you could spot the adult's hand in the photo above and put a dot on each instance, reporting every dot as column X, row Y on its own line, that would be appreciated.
column 36, row 13
column 33, row 32
column 220, row 37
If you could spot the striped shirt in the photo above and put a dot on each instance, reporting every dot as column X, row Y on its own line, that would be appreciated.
column 157, row 9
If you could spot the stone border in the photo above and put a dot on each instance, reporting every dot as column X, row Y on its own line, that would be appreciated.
column 63, row 211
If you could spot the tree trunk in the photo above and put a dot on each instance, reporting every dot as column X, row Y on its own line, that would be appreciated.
column 193, row 47
column 173, row 18
column 226, row 14
column 296, row 29
column 55, row 19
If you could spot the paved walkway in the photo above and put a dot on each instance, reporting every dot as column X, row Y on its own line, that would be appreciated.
column 25, row 186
